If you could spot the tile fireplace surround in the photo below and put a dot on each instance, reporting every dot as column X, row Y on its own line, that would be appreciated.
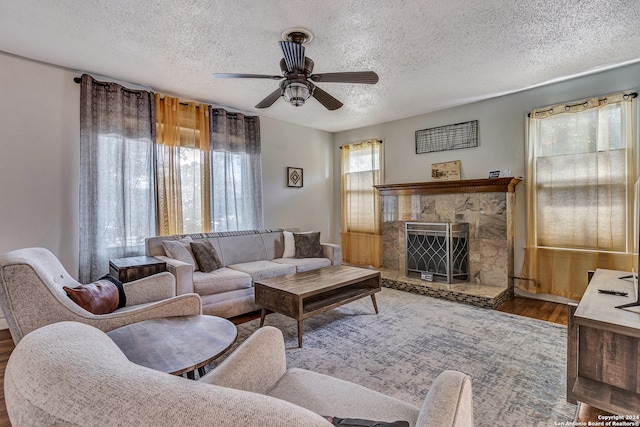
column 486, row 204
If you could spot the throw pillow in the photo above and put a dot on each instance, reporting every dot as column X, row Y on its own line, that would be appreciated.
column 180, row 250
column 289, row 245
column 99, row 297
column 308, row 245
column 206, row 255
column 122, row 298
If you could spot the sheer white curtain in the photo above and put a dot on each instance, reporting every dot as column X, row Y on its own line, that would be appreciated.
column 236, row 171
column 117, row 189
column 580, row 193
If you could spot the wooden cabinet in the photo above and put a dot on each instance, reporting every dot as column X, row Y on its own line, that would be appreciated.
column 603, row 354
column 134, row 268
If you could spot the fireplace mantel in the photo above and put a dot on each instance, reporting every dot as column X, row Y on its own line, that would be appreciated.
column 485, row 185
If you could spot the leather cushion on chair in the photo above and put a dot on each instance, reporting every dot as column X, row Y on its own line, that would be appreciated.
column 122, row 298
column 99, row 297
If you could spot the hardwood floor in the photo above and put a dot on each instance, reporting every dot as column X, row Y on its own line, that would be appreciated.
column 6, row 347
column 543, row 310
column 537, row 309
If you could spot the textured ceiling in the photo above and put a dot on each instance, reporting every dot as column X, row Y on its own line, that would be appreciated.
column 429, row 54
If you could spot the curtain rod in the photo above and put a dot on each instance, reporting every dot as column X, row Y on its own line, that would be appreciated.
column 632, row 95
column 367, row 141
column 228, row 108
column 78, row 80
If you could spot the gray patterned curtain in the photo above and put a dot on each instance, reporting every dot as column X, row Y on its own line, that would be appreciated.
column 236, row 172
column 117, row 189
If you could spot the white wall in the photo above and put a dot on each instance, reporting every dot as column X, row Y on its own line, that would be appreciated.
column 39, row 155
column 501, row 124
column 39, row 164
column 310, row 207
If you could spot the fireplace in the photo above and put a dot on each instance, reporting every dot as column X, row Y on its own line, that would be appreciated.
column 485, row 205
column 437, row 251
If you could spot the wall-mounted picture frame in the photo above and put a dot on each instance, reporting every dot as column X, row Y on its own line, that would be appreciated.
column 294, row 177
column 448, row 137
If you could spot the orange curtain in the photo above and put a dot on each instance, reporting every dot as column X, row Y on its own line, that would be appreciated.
column 183, row 166
column 362, row 168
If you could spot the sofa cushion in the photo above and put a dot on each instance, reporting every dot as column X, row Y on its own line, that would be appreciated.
column 305, row 264
column 180, row 250
column 260, row 270
column 242, row 248
column 220, row 280
column 308, row 245
column 206, row 256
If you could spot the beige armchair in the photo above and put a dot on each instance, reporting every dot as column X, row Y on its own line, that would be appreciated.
column 70, row 374
column 32, row 295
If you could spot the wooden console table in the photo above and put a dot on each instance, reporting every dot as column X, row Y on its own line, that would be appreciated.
column 603, row 354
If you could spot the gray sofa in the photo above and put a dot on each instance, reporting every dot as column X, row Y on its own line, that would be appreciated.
column 72, row 374
column 246, row 256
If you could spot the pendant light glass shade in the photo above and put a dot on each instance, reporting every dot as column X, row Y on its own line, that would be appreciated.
column 296, row 93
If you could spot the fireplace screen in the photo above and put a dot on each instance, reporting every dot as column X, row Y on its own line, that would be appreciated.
column 441, row 249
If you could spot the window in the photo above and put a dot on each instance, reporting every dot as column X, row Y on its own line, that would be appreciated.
column 580, row 193
column 136, row 183
column 183, row 166
column 361, row 223
column 237, row 171
column 117, row 188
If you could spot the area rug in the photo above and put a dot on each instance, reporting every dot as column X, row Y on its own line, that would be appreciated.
column 517, row 364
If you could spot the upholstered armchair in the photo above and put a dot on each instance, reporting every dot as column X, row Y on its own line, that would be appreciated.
column 32, row 295
column 74, row 375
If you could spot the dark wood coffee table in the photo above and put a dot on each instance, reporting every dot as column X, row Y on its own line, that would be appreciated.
column 303, row 295
column 176, row 345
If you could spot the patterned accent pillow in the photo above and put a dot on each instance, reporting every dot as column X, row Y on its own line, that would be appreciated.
column 308, row 245
column 206, row 255
column 180, row 250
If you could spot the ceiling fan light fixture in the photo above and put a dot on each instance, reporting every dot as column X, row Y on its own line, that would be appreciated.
column 296, row 93
column 297, row 35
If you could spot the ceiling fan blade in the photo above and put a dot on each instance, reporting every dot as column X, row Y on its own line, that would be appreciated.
column 325, row 99
column 244, row 76
column 364, row 77
column 293, row 55
column 270, row 99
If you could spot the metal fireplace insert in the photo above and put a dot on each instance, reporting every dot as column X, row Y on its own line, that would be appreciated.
column 437, row 251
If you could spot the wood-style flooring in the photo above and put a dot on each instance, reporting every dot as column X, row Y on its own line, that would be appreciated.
column 543, row 310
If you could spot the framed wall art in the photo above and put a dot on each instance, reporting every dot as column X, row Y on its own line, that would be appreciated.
column 449, row 137
column 294, row 177
column 447, row 171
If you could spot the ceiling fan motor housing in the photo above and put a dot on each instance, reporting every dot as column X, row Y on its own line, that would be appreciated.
column 307, row 69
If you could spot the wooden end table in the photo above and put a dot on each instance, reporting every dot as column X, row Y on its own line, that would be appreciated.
column 134, row 268
column 176, row 345
column 303, row 295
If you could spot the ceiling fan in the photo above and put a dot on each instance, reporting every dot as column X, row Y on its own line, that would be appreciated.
column 298, row 84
